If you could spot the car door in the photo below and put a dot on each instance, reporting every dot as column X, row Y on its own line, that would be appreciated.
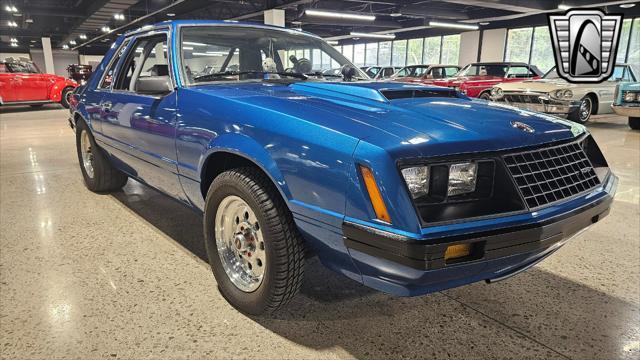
column 30, row 84
column 7, row 92
column 141, row 127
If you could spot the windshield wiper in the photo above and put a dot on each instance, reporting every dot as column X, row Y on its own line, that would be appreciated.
column 246, row 72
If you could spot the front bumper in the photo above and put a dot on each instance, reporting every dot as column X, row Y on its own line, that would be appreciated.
column 539, row 103
column 405, row 266
column 626, row 110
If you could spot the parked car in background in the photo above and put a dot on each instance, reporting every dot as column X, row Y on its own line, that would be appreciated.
column 554, row 95
column 627, row 102
column 420, row 73
column 379, row 72
column 406, row 188
column 79, row 73
column 476, row 79
column 22, row 83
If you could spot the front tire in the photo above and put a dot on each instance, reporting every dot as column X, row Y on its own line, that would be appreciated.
column 485, row 96
column 64, row 97
column 634, row 123
column 584, row 111
column 254, row 248
column 98, row 173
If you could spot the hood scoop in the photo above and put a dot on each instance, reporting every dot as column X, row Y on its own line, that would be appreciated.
column 418, row 93
column 377, row 92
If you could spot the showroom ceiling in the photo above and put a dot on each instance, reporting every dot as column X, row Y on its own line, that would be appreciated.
column 91, row 25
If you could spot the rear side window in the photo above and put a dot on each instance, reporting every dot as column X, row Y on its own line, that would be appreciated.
column 147, row 57
column 519, row 72
column 109, row 74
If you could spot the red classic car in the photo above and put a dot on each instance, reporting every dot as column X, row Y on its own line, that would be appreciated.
column 22, row 83
column 476, row 79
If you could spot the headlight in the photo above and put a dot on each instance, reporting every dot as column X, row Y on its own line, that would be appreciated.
column 417, row 179
column 462, row 178
column 630, row 96
column 562, row 94
column 496, row 93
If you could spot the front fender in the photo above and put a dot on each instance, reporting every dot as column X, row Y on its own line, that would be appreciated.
column 55, row 93
column 244, row 146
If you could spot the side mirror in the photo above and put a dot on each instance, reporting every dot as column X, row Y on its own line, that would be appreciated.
column 154, row 85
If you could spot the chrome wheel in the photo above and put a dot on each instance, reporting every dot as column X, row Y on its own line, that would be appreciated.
column 585, row 109
column 240, row 243
column 87, row 154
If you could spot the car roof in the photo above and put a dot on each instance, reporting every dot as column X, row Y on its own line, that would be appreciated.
column 176, row 23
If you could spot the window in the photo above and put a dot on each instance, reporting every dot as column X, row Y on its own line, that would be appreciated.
column 450, row 71
column 371, row 54
column 541, row 51
column 147, row 57
column 633, row 54
column 399, row 53
column 519, row 72
column 624, row 40
column 432, row 50
column 450, row 49
column 347, row 51
column 620, row 73
column 387, row 72
column 414, row 52
column 384, row 53
column 519, row 45
column 373, row 71
column 108, row 75
column 358, row 55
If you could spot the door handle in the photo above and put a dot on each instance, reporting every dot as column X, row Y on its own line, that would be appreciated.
column 106, row 106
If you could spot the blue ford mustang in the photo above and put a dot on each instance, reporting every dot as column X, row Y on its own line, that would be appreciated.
column 407, row 189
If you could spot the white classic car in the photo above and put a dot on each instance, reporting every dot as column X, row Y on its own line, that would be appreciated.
column 556, row 96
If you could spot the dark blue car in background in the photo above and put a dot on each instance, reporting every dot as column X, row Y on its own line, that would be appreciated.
column 408, row 189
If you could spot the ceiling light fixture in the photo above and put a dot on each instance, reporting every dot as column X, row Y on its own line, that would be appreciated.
column 453, row 25
column 484, row 23
column 65, row 46
column 11, row 9
column 82, row 36
column 118, row 16
column 337, row 15
column 14, row 45
column 371, row 35
column 105, row 29
column 12, row 24
column 333, row 42
column 33, row 41
column 72, row 42
column 13, row 40
column 193, row 43
column 171, row 14
column 627, row 6
column 564, row 7
column 395, row 14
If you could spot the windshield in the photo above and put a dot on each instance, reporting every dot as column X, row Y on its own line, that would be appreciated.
column 497, row 70
column 22, row 67
column 235, row 53
column 620, row 73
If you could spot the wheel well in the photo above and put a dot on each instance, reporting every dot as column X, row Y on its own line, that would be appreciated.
column 219, row 162
column 594, row 102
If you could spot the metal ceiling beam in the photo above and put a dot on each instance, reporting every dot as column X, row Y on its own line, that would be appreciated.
column 520, row 8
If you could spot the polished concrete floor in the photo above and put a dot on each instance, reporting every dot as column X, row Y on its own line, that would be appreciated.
column 86, row 276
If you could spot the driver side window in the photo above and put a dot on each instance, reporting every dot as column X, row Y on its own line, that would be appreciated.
column 147, row 57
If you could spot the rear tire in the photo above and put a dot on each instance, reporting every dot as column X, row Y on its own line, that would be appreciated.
column 281, row 269
column 485, row 96
column 634, row 123
column 98, row 172
column 64, row 97
column 584, row 111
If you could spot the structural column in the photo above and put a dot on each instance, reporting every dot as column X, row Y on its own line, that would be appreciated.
column 48, row 56
column 274, row 17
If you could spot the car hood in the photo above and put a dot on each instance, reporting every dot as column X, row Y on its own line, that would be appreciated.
column 541, row 85
column 387, row 114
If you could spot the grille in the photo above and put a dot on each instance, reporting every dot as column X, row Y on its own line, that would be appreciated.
column 517, row 98
column 553, row 173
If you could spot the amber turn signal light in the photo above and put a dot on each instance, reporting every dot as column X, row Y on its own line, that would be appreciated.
column 374, row 195
column 457, row 251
